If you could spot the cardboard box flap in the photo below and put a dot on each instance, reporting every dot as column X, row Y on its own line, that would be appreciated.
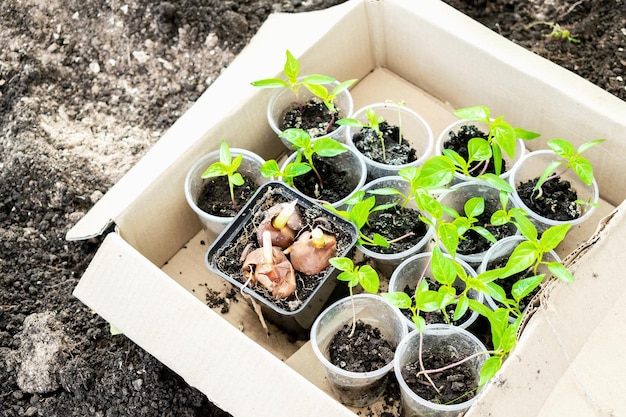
column 570, row 359
column 120, row 283
column 261, row 58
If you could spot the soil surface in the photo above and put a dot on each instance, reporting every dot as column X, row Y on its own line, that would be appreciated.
column 85, row 89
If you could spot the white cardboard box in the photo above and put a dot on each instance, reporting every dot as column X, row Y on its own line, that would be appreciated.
column 149, row 278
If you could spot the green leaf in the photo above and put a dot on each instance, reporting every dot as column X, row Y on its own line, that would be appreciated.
column 217, row 169
column 296, row 169
column 368, row 278
column 478, row 149
column 270, row 169
column 327, row 147
column 485, row 233
column 582, row 167
column 419, row 322
column 475, row 113
column 499, row 218
column 318, row 90
column 491, row 366
column 298, row 137
column 497, row 182
column 525, row 134
column 380, row 241
column 504, row 135
column 562, row 147
column 236, row 179
column 292, row 67
column 351, row 277
column 525, row 226
column 474, row 207
column 348, row 121
column 427, row 301
column 525, row 286
column 560, row 271
column 437, row 171
column 496, row 292
column 449, row 237
column 461, row 307
column 342, row 86
column 313, row 79
column 270, row 83
column 582, row 148
column 522, row 258
column 398, row 299
column 442, row 267
column 553, row 236
column 456, row 159
column 342, row 264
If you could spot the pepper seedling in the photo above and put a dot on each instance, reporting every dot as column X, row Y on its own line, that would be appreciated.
column 315, row 83
column 571, row 159
column 502, row 137
column 227, row 166
column 354, row 275
column 291, row 71
column 358, row 212
column 307, row 148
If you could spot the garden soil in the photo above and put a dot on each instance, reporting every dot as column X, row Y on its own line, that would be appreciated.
column 86, row 87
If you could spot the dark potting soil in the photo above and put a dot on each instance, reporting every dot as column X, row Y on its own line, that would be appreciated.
column 366, row 350
column 229, row 259
column 333, row 187
column 393, row 223
column 555, row 201
column 458, row 142
column 455, row 385
column 312, row 116
column 397, row 150
column 215, row 197
column 437, row 317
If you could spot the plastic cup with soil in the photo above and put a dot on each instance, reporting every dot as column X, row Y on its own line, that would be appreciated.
column 342, row 176
column 557, row 201
column 497, row 257
column 290, row 291
column 406, row 276
column 308, row 113
column 210, row 198
column 472, row 246
column 456, row 137
column 439, row 345
column 358, row 365
column 402, row 226
column 407, row 139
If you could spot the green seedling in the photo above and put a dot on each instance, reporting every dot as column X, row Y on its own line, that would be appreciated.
column 432, row 177
column 227, row 166
column 354, row 275
column 315, row 83
column 358, row 212
column 446, row 271
column 291, row 71
column 571, row 159
column 557, row 31
column 306, row 148
column 502, row 137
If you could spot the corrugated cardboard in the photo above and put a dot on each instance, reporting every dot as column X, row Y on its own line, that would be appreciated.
column 149, row 278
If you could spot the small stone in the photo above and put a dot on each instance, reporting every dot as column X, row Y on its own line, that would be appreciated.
column 137, row 383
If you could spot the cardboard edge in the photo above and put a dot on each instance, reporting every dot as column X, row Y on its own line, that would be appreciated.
column 149, row 307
